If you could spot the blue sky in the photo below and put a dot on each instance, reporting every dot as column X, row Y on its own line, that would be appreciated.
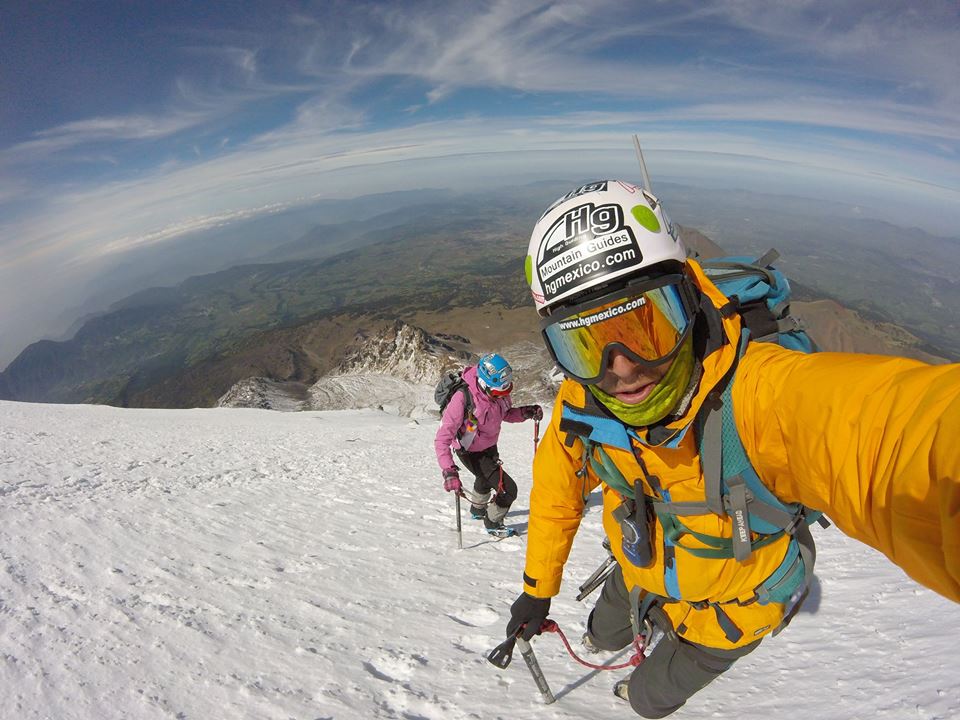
column 126, row 124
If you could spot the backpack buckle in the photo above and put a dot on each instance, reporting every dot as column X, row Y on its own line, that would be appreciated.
column 789, row 323
column 796, row 522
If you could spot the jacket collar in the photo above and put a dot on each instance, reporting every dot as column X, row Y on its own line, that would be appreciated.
column 716, row 341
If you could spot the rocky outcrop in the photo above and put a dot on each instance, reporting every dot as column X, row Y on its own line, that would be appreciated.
column 266, row 394
column 401, row 351
column 393, row 370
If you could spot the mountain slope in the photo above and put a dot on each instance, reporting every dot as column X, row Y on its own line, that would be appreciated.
column 252, row 564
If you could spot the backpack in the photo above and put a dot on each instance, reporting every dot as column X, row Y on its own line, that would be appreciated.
column 761, row 295
column 450, row 383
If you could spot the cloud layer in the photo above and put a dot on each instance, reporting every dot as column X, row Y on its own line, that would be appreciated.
column 134, row 129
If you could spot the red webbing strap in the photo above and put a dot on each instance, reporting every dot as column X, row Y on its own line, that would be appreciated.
column 638, row 644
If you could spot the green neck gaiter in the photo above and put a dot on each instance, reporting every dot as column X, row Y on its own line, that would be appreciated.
column 664, row 398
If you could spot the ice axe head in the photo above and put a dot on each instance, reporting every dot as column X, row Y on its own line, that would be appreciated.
column 502, row 654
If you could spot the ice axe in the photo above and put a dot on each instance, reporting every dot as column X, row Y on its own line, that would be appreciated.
column 599, row 575
column 459, row 527
column 527, row 652
column 536, row 435
column 502, row 654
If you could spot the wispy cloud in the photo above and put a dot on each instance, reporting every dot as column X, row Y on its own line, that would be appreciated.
column 808, row 53
column 281, row 168
column 910, row 48
column 99, row 130
column 250, row 111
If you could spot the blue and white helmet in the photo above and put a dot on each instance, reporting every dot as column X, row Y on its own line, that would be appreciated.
column 494, row 375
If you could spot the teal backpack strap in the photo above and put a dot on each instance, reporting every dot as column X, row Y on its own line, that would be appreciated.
column 799, row 584
column 712, row 438
column 605, row 468
column 734, row 466
column 593, row 432
column 711, row 454
column 753, row 507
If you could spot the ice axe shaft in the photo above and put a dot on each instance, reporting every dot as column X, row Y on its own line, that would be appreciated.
column 459, row 527
column 598, row 578
column 531, row 660
column 536, row 435
column 503, row 653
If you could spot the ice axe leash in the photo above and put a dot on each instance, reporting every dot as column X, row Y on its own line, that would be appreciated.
column 503, row 654
column 639, row 645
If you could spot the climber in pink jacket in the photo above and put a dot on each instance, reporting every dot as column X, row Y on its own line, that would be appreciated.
column 470, row 426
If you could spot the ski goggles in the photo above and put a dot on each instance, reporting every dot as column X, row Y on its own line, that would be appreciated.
column 500, row 392
column 647, row 321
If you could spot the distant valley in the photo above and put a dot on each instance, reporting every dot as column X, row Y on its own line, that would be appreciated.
column 450, row 268
column 456, row 257
column 887, row 273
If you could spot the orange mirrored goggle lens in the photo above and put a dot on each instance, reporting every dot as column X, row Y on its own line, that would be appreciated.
column 650, row 325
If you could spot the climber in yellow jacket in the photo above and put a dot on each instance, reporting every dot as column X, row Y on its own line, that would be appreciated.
column 646, row 343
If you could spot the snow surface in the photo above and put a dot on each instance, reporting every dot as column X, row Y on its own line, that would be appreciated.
column 231, row 563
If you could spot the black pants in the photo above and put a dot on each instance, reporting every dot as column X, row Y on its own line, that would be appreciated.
column 673, row 672
column 485, row 465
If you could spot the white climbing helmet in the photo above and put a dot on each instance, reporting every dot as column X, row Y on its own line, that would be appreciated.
column 595, row 234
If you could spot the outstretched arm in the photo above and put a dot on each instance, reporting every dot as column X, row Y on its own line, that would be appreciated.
column 872, row 441
column 514, row 415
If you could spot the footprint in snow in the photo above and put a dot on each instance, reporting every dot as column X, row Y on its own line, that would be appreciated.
column 476, row 617
column 394, row 665
column 473, row 644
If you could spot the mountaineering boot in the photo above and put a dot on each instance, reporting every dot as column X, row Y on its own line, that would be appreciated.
column 621, row 689
column 588, row 645
column 478, row 513
column 498, row 529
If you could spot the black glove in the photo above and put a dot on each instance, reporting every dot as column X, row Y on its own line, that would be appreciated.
column 527, row 612
column 532, row 412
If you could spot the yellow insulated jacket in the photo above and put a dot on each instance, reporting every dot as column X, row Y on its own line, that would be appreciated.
column 872, row 441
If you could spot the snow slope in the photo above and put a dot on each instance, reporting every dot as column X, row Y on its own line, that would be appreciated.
column 231, row 563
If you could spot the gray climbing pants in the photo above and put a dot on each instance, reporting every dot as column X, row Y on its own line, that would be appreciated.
column 673, row 672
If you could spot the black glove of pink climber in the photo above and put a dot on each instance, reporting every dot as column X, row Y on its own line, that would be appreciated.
column 532, row 412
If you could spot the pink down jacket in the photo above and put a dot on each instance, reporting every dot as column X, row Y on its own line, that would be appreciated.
column 490, row 412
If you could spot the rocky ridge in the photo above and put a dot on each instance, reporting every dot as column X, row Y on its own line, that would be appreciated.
column 395, row 371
